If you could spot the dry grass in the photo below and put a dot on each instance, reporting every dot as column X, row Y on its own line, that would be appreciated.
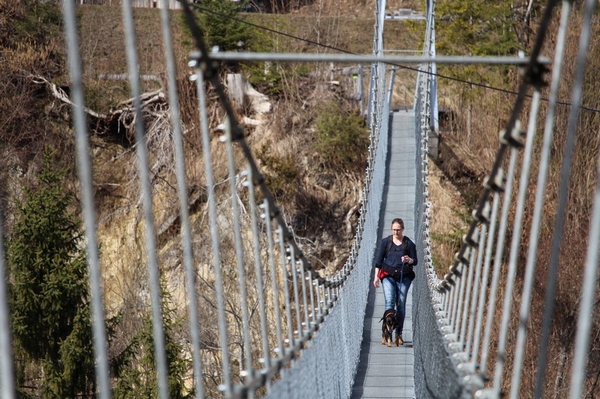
column 445, row 219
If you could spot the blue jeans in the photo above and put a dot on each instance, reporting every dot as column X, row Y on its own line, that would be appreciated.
column 395, row 293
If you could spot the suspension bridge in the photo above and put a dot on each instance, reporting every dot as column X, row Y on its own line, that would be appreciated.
column 311, row 336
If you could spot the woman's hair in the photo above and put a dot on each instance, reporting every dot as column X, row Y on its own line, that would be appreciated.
column 399, row 221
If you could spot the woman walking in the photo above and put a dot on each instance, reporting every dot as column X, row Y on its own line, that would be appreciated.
column 396, row 256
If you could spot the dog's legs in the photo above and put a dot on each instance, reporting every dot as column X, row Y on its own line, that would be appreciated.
column 389, row 336
column 399, row 340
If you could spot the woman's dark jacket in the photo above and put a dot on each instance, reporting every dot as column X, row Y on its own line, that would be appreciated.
column 392, row 258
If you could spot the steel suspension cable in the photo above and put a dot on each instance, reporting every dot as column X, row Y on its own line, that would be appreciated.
column 142, row 154
column 275, row 286
column 588, row 301
column 7, row 379
column 538, row 207
column 591, row 268
column 288, row 307
column 540, row 194
column 516, row 241
column 239, row 242
column 467, row 300
column 258, row 269
column 491, row 309
column 299, row 331
column 186, row 233
column 84, row 172
column 484, row 279
column 214, row 233
column 463, row 271
column 478, row 286
column 566, row 166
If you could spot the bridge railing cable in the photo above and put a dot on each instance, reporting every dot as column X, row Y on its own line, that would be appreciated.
column 438, row 377
column 484, row 273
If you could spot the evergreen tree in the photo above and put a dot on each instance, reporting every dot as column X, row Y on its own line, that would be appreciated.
column 340, row 137
column 49, row 289
column 222, row 25
column 136, row 376
column 477, row 28
column 480, row 27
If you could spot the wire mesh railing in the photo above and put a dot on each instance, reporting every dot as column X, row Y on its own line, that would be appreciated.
column 432, row 361
column 473, row 305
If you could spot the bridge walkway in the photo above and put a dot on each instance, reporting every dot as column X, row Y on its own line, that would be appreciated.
column 389, row 372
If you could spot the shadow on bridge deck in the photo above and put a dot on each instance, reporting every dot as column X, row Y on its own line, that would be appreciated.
column 389, row 372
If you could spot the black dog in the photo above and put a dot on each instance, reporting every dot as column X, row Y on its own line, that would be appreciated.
column 389, row 325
